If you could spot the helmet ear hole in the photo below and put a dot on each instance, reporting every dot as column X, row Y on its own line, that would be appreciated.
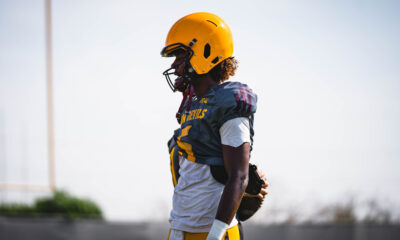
column 215, row 60
column 207, row 50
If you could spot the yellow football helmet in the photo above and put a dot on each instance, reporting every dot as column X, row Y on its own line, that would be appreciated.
column 207, row 38
column 206, row 41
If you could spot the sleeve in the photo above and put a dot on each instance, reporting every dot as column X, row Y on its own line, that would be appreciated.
column 235, row 132
column 236, row 100
column 172, row 141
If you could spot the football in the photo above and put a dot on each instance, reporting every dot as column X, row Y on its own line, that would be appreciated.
column 248, row 206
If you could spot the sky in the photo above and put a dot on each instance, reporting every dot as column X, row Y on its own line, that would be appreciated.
column 326, row 74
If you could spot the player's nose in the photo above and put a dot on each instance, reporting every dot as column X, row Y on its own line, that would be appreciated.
column 175, row 63
column 177, row 67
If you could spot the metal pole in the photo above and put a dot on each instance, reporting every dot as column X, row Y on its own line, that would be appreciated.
column 50, row 95
column 30, row 187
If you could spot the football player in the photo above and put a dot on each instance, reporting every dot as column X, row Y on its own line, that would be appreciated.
column 210, row 151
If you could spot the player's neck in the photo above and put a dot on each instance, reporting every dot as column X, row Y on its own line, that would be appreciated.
column 202, row 84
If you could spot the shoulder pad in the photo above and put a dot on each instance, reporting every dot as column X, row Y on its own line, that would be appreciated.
column 235, row 99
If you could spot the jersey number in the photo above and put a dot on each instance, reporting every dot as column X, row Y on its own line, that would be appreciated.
column 187, row 147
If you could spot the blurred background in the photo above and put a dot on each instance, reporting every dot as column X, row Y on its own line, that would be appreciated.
column 84, row 108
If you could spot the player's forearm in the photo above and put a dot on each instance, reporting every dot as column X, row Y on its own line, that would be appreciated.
column 236, row 162
column 228, row 204
column 231, row 197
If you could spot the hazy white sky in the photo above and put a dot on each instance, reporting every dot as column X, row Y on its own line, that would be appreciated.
column 326, row 73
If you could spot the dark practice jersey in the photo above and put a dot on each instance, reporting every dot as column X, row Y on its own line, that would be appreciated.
column 198, row 139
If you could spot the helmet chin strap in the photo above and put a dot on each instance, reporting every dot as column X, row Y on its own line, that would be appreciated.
column 188, row 94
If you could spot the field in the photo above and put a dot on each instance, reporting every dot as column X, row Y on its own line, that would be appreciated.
column 58, row 229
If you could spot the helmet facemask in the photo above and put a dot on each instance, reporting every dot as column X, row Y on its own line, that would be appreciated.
column 181, row 83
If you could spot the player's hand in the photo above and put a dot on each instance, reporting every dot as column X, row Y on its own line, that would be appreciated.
column 263, row 191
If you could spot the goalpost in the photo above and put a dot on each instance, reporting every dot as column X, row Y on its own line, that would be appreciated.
column 26, row 187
